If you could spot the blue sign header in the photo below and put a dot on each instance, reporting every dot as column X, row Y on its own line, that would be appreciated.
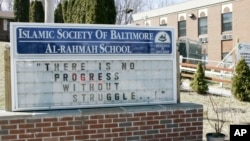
column 90, row 40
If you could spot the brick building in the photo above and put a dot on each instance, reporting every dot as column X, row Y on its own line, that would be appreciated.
column 5, row 18
column 217, row 24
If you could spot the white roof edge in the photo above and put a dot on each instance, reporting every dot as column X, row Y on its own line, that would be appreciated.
column 190, row 4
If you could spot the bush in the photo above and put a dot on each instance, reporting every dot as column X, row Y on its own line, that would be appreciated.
column 199, row 84
column 241, row 81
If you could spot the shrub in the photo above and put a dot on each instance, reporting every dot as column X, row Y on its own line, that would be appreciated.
column 241, row 81
column 199, row 84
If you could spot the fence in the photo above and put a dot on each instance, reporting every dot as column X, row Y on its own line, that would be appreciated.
column 212, row 73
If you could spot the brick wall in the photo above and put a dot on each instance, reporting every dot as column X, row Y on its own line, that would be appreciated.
column 182, row 122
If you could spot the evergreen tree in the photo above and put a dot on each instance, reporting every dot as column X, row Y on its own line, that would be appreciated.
column 65, row 10
column 36, row 11
column 21, row 10
column 199, row 84
column 89, row 11
column 58, row 16
column 100, row 12
column 241, row 81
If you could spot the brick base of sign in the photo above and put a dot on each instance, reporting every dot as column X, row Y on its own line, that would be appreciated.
column 177, row 122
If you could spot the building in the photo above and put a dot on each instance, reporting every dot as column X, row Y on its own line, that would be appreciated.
column 5, row 18
column 218, row 24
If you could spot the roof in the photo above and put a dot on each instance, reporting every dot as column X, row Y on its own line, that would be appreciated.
column 7, row 14
column 177, row 8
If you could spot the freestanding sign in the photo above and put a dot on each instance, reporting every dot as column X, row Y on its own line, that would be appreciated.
column 59, row 66
column 243, row 52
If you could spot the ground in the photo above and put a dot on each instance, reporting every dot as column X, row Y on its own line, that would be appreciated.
column 230, row 110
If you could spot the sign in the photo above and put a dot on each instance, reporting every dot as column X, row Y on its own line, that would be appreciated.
column 239, row 132
column 59, row 66
column 244, row 52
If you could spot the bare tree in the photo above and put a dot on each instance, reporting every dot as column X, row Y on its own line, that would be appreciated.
column 1, row 2
column 10, row 4
column 124, row 9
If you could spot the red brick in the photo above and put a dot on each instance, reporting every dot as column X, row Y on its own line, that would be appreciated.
column 125, row 134
column 104, row 140
column 7, row 137
column 32, row 130
column 66, row 119
column 25, row 136
column 197, row 115
column 82, row 137
column 111, row 135
column 185, row 124
column 139, row 123
column 9, row 127
column 167, row 139
column 178, row 120
column 178, row 129
column 58, row 133
column 147, row 127
column 43, row 124
column 111, row 125
column 103, row 130
column 50, row 129
column 133, row 119
column 96, row 136
column 197, row 123
column 160, row 117
column 178, row 112
column 2, row 122
column 17, row 121
column 119, row 139
column 152, row 122
column 139, row 114
column 172, row 134
column 60, row 123
column 26, row 125
column 118, row 129
column 147, row 137
column 51, row 139
column 81, row 127
column 187, row 133
column 35, row 139
column 158, row 126
column 165, row 130
column 97, row 117
column 173, row 116
column 119, row 120
column 65, row 128
column 152, row 113
column 89, row 132
column 111, row 116
column 17, row 131
column 179, row 139
column 132, row 128
column 147, row 118
column 42, row 135
column 185, row 115
column 68, row 138
column 74, row 133
column 157, row 136
column 96, row 126
column 90, row 122
column 50, row 119
column 105, row 121
column 196, row 132
column 190, row 128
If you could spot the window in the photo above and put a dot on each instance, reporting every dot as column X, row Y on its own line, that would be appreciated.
column 182, row 28
column 227, row 22
column 202, row 25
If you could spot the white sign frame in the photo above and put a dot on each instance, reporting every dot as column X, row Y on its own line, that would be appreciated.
column 19, row 57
